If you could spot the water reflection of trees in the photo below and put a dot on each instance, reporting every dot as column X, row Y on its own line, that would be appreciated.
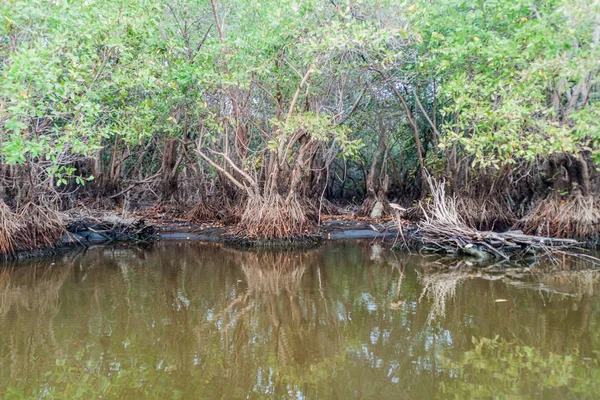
column 549, row 310
column 346, row 320
column 29, row 300
column 279, row 316
column 31, row 287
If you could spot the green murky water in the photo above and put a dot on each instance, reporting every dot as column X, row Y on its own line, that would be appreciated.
column 344, row 321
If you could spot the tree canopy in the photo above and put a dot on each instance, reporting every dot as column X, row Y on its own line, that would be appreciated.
column 287, row 101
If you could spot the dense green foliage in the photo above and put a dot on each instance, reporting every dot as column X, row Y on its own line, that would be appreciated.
column 519, row 76
column 213, row 102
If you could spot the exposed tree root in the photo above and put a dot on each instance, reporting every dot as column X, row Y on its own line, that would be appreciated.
column 8, row 229
column 202, row 212
column 415, row 213
column 444, row 230
column 576, row 217
column 481, row 214
column 32, row 227
column 367, row 206
column 485, row 214
column 328, row 208
column 273, row 218
column 212, row 211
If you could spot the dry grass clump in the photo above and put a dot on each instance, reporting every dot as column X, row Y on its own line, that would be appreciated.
column 576, row 217
column 273, row 218
column 32, row 227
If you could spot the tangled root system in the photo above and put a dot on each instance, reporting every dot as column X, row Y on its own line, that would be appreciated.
column 367, row 206
column 576, row 217
column 481, row 214
column 445, row 230
column 328, row 208
column 212, row 211
column 273, row 218
column 485, row 214
column 415, row 213
column 8, row 229
column 32, row 227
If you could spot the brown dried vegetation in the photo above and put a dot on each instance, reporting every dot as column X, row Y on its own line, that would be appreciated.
column 444, row 229
column 575, row 217
column 32, row 227
column 273, row 218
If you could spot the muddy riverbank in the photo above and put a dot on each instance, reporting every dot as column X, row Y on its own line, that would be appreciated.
column 108, row 228
column 480, row 248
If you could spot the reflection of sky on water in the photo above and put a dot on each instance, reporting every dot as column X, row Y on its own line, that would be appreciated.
column 329, row 322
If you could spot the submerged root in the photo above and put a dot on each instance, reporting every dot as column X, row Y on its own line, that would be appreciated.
column 33, row 227
column 273, row 218
column 577, row 217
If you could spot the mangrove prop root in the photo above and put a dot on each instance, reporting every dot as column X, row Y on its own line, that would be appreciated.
column 212, row 211
column 444, row 230
column 32, row 227
column 485, row 214
column 481, row 214
column 273, row 218
column 575, row 217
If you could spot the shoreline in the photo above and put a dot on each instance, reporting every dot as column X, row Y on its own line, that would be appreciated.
column 180, row 230
column 105, row 228
column 110, row 228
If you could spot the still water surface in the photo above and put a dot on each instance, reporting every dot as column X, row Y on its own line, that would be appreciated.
column 347, row 320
